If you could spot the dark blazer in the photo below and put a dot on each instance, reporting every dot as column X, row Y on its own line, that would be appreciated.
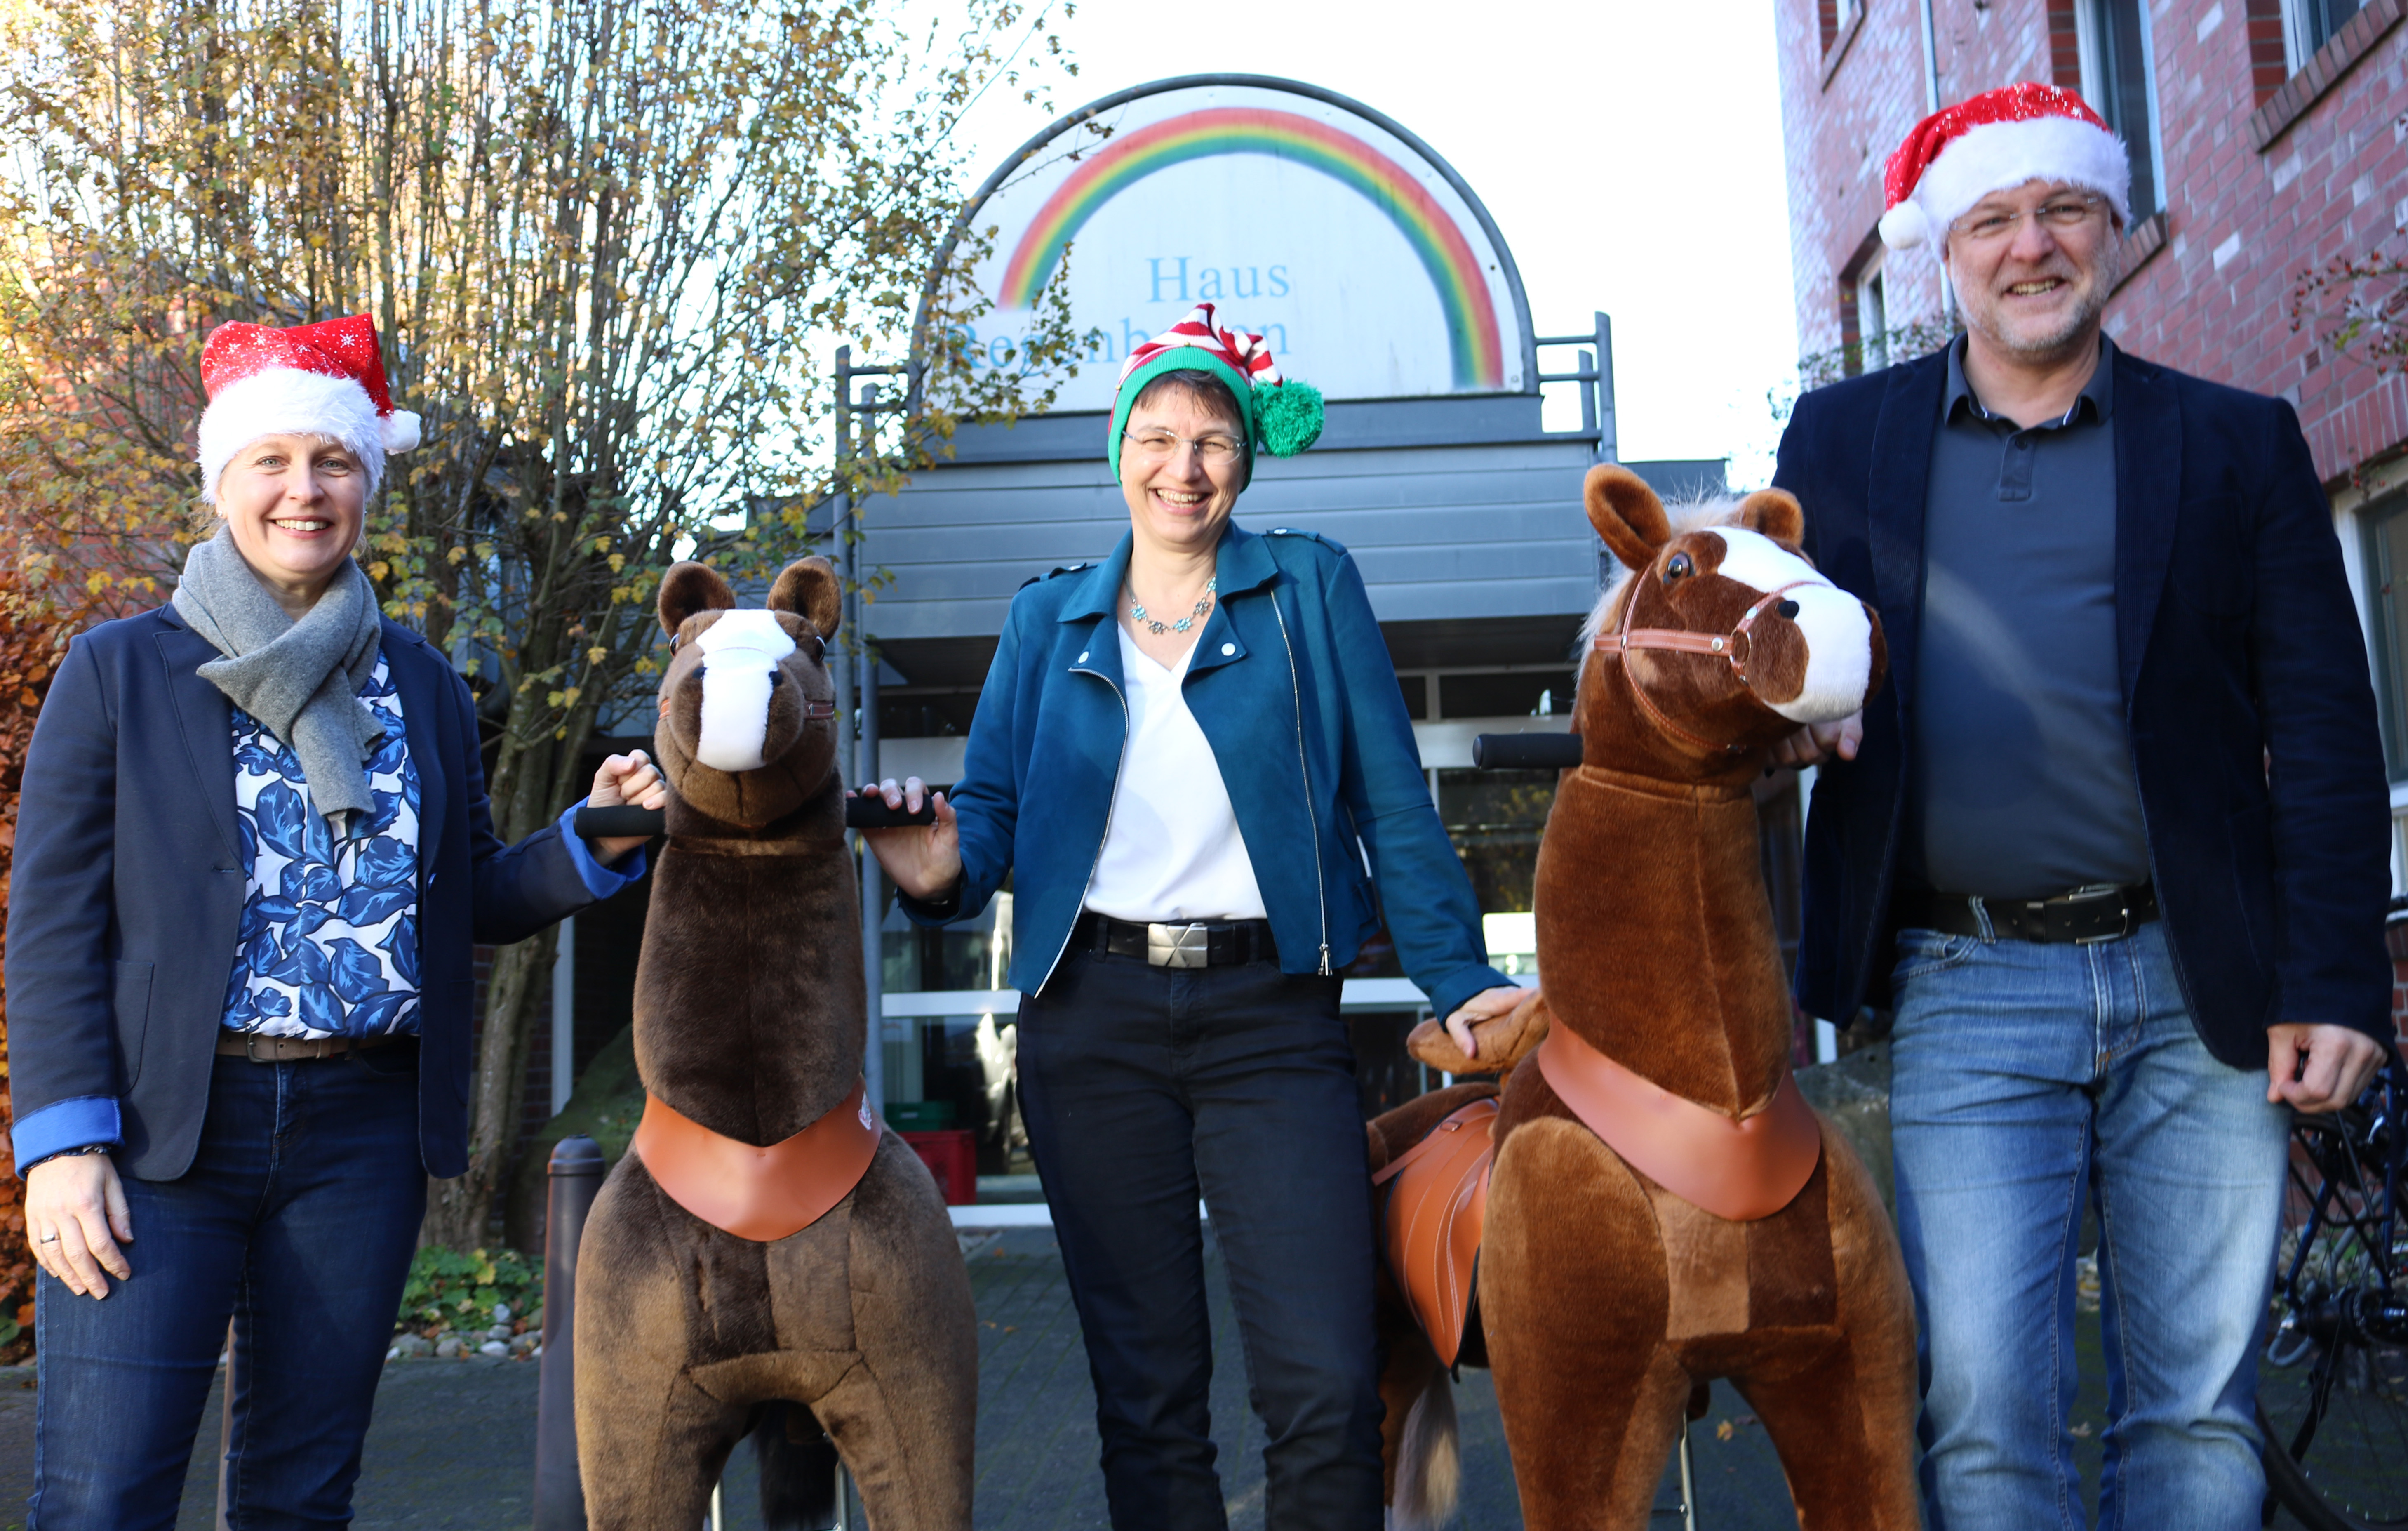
column 2252, row 720
column 126, row 894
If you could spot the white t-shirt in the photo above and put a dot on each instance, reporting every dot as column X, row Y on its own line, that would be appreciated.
column 1172, row 850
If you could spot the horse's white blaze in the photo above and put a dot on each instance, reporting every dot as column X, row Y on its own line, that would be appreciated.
column 739, row 652
column 1838, row 635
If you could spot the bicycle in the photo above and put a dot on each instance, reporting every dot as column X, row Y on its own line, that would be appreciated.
column 2333, row 1398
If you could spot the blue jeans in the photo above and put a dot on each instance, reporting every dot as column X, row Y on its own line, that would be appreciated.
column 1143, row 1089
column 297, row 1218
column 2025, row 1075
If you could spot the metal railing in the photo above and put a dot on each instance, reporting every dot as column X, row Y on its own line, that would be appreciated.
column 1595, row 374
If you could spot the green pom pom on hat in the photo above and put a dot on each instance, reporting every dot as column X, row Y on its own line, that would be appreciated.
column 1281, row 417
column 1287, row 417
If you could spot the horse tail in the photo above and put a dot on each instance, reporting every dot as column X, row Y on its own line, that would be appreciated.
column 1429, row 1462
column 799, row 1470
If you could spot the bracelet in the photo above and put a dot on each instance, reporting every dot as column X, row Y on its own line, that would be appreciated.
column 66, row 1153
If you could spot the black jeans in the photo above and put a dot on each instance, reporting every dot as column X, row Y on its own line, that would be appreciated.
column 297, row 1218
column 1142, row 1088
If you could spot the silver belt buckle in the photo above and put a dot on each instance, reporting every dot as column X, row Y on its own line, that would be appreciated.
column 2092, row 893
column 1178, row 946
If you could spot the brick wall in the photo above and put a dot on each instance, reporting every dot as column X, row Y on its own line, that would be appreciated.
column 2269, row 175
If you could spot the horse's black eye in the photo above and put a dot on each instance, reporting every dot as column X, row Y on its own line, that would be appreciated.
column 1678, row 566
column 1788, row 609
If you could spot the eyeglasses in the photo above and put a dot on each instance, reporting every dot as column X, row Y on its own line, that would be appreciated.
column 2069, row 211
column 1158, row 446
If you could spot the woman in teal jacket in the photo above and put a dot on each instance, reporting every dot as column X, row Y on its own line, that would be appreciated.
column 1195, row 762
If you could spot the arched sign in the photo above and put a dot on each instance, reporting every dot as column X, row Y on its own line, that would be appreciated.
column 1372, row 269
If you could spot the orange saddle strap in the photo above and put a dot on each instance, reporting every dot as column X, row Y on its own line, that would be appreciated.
column 1739, row 1170
column 762, row 1194
column 1434, row 1219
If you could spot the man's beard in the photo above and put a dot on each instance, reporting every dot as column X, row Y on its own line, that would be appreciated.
column 2048, row 344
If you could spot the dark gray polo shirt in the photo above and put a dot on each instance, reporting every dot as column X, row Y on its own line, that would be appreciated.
column 2021, row 782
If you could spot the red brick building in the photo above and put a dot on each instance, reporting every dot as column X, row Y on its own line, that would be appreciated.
column 2269, row 138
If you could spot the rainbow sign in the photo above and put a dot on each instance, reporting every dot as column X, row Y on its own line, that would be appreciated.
column 1479, row 356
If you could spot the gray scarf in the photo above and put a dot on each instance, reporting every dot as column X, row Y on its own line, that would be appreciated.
column 301, row 680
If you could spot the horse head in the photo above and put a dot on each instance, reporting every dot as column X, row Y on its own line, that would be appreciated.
column 748, row 712
column 1727, row 636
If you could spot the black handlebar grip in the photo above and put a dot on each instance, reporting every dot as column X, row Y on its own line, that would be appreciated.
column 618, row 821
column 626, row 821
column 1525, row 751
column 869, row 811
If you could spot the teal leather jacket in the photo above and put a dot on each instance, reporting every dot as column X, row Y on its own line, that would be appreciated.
column 1292, row 685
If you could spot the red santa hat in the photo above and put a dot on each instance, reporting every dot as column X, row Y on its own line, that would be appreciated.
column 311, row 379
column 1997, row 140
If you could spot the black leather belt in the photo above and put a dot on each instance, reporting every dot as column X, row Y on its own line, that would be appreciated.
column 2084, row 916
column 1192, row 943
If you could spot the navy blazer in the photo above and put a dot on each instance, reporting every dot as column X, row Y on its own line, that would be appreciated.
column 126, row 894
column 2252, row 720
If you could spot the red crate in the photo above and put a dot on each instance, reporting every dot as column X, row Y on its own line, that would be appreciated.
column 952, row 1157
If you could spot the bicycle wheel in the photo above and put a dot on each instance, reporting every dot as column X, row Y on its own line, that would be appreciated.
column 2332, row 1394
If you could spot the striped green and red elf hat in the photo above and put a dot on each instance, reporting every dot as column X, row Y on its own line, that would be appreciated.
column 1282, row 416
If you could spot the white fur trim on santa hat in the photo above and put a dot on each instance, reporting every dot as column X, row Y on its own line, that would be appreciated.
column 1999, row 156
column 1903, row 226
column 288, row 401
column 401, row 431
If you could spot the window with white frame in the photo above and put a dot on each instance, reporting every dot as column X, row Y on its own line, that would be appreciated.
column 2119, row 79
column 2385, row 526
column 2309, row 24
column 1872, row 317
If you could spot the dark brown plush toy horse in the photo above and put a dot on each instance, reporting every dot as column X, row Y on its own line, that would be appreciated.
column 1664, row 1208
column 763, row 1240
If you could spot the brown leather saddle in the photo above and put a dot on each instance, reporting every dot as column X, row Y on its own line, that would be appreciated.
column 1436, row 1211
column 758, row 1193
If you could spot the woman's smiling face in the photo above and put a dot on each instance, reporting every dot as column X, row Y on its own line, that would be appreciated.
column 1183, row 464
column 294, row 505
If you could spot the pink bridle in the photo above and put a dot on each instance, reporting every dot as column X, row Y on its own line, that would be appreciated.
column 1737, row 646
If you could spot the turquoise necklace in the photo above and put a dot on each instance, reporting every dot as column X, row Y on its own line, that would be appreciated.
column 1203, row 604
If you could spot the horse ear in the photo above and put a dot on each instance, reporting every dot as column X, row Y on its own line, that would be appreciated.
column 1774, row 514
column 807, row 587
column 1626, row 514
column 689, row 587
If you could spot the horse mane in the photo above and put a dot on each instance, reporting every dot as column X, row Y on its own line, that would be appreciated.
column 1685, row 515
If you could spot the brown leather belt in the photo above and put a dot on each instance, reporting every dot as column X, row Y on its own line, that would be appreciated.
column 2083, row 917
column 286, row 1050
column 1202, row 943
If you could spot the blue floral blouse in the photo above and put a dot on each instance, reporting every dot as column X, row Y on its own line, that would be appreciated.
column 329, row 941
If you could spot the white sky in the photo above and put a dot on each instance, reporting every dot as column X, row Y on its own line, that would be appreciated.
column 1631, row 154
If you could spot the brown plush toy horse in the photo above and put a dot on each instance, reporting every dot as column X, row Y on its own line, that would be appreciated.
column 1664, row 1208
column 763, row 1239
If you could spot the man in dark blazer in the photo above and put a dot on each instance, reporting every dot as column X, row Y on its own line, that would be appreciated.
column 2112, row 845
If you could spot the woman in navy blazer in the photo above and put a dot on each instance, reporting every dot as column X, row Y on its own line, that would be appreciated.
column 239, row 1016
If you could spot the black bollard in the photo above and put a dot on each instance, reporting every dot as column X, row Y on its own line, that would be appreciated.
column 576, row 1170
